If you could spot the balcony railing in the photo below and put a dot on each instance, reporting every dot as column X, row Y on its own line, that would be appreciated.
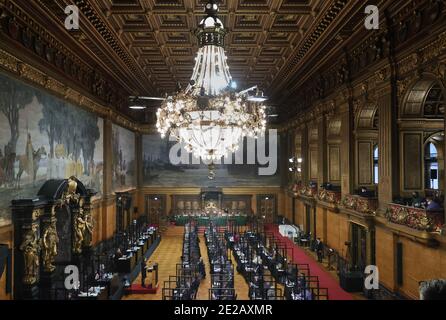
column 330, row 196
column 306, row 191
column 415, row 218
column 364, row 205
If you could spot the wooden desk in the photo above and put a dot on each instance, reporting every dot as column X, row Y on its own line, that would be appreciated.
column 126, row 265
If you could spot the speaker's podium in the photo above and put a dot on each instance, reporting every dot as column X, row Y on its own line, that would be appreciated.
column 352, row 281
column 152, row 270
column 151, row 285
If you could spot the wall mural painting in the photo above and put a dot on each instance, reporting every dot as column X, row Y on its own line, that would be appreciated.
column 167, row 164
column 123, row 159
column 43, row 137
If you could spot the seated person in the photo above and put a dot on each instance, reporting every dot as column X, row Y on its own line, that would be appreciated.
column 118, row 253
column 432, row 204
column 126, row 282
column 417, row 200
column 327, row 186
column 366, row 193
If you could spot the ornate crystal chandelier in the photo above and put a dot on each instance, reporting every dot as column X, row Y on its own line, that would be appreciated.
column 209, row 116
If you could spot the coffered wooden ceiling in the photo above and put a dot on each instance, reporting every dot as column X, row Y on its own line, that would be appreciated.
column 147, row 46
column 158, row 34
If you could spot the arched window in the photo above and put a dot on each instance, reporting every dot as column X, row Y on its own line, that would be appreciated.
column 434, row 103
column 375, row 165
column 431, row 166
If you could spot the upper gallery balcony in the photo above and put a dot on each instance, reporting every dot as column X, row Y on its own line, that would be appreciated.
column 416, row 218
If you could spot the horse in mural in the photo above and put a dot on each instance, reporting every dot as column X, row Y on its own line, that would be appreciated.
column 24, row 165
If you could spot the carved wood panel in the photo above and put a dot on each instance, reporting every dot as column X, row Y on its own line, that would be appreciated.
column 412, row 153
column 334, row 164
column 365, row 163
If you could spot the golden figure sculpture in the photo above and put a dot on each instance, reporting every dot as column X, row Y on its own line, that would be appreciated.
column 79, row 231
column 88, row 232
column 30, row 247
column 50, row 240
column 70, row 196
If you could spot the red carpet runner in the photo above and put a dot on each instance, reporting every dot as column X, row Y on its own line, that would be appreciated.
column 138, row 289
column 335, row 292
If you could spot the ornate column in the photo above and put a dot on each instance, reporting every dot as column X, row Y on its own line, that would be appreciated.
column 388, row 163
column 304, row 154
column 108, row 198
column 27, row 247
column 322, row 163
column 347, row 144
column 139, row 169
column 108, row 165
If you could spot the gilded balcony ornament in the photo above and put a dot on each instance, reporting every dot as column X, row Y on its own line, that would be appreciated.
column 415, row 218
column 349, row 202
column 424, row 223
column 323, row 195
column 402, row 215
column 364, row 206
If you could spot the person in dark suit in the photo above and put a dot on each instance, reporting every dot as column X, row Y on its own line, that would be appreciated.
column 433, row 290
column 432, row 204
column 319, row 250
column 201, row 268
column 143, row 273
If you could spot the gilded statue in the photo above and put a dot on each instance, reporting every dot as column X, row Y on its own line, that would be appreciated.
column 50, row 240
column 79, row 231
column 70, row 196
column 31, row 248
column 88, row 232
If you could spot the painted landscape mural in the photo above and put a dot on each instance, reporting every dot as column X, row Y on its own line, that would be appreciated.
column 166, row 163
column 123, row 159
column 43, row 137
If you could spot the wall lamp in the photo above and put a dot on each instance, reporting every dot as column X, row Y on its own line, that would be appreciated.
column 295, row 165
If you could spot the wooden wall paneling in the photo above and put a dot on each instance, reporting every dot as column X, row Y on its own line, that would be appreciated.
column 300, row 212
column 334, row 164
column 313, row 152
column 313, row 163
column 365, row 163
column 388, row 148
column 333, row 236
column 385, row 257
column 322, row 163
column 321, row 223
column 412, row 273
column 305, row 155
column 412, row 151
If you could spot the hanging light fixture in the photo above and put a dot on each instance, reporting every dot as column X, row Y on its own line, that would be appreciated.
column 210, row 117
